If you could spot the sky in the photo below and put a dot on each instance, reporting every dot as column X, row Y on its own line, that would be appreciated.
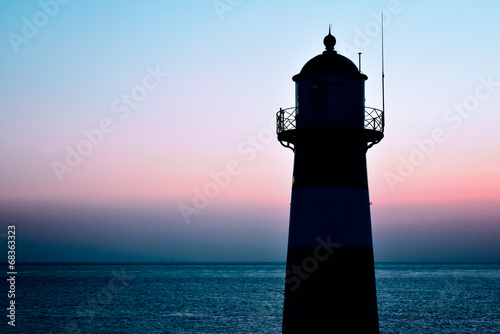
column 145, row 131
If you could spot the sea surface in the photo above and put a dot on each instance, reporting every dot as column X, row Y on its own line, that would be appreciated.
column 238, row 298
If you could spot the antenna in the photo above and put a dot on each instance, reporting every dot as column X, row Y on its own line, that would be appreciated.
column 383, row 75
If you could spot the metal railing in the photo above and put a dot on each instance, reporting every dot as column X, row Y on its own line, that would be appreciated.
column 286, row 119
column 345, row 116
column 374, row 119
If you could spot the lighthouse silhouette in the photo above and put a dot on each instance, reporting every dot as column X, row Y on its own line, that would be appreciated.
column 330, row 275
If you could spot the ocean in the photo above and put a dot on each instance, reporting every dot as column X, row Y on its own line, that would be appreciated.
column 238, row 298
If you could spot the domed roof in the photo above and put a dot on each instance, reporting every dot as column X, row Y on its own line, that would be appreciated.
column 329, row 62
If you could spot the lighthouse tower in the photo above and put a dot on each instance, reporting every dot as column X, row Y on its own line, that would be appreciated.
column 330, row 276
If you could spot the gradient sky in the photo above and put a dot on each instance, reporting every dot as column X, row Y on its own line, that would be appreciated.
column 176, row 93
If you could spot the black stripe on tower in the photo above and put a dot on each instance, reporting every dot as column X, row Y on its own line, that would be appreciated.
column 330, row 158
column 338, row 296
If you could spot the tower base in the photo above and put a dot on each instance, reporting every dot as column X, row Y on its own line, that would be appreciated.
column 330, row 289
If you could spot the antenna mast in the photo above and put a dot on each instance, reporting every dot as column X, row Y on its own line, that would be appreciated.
column 383, row 75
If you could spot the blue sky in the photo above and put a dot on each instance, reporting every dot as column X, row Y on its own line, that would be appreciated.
column 73, row 69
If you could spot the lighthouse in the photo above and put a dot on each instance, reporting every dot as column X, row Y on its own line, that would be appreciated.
column 330, row 275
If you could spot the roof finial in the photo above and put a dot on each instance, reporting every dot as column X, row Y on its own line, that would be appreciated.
column 329, row 40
